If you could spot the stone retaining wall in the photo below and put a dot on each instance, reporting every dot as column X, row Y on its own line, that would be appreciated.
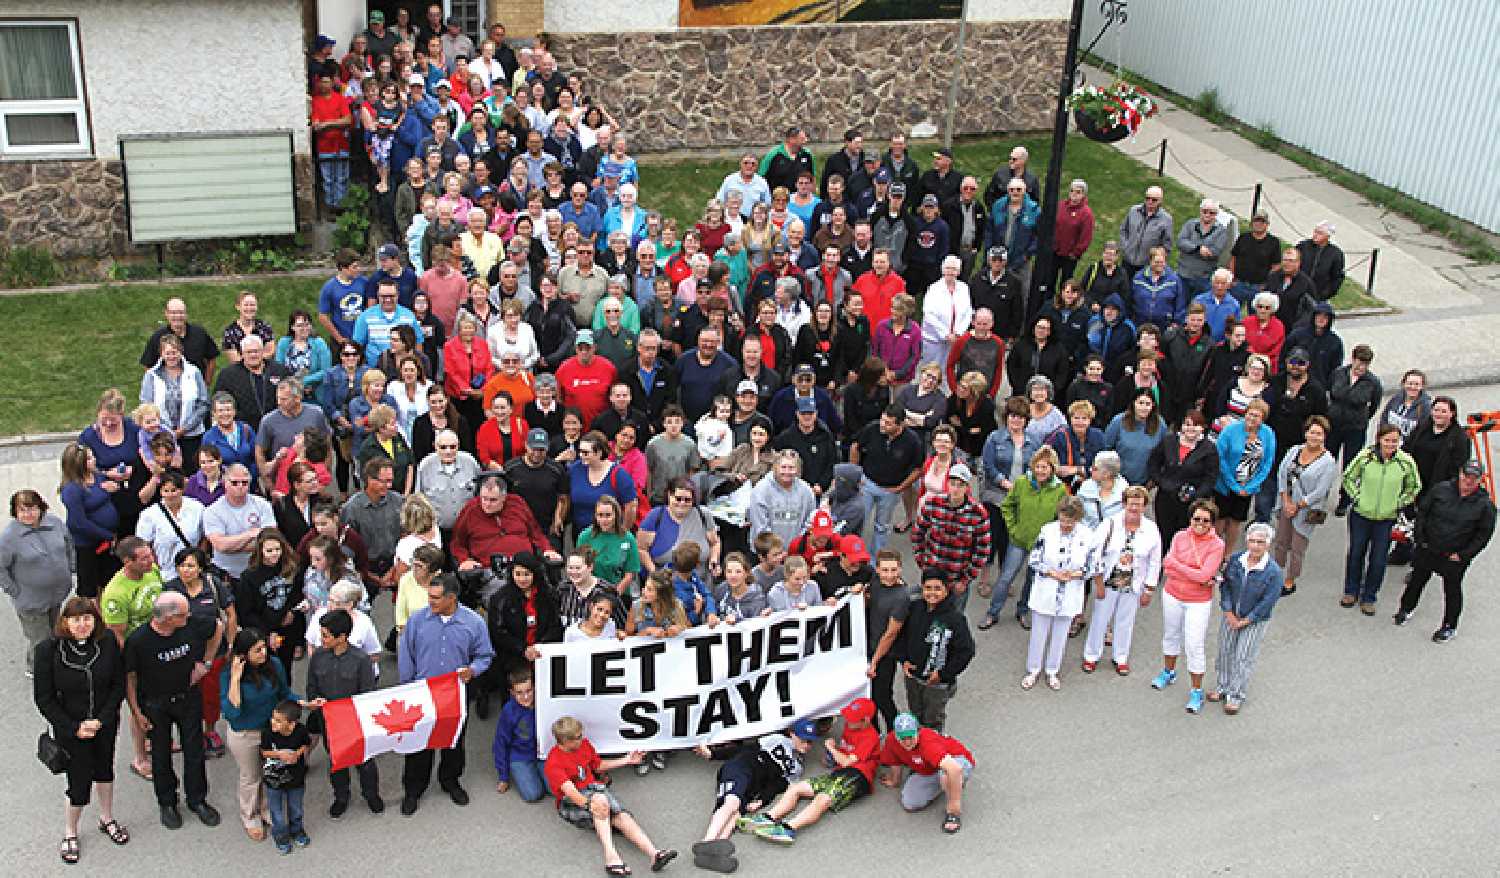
column 76, row 208
column 735, row 86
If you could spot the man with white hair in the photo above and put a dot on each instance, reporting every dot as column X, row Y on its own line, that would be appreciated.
column 446, row 478
column 751, row 186
column 578, row 211
column 1322, row 261
column 946, row 313
column 252, row 381
column 1015, row 167
column 1145, row 225
column 643, row 277
column 1219, row 303
column 1199, row 246
column 234, row 520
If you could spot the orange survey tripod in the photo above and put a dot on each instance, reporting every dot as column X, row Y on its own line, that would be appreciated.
column 1479, row 426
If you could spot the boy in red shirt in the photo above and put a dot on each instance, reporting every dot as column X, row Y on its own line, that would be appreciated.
column 938, row 763
column 588, row 804
column 853, row 754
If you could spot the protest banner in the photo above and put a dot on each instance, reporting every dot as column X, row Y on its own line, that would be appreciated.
column 708, row 684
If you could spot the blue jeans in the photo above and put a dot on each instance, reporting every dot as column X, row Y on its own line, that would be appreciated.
column 1014, row 557
column 528, row 781
column 1364, row 566
column 334, row 168
column 286, row 812
column 883, row 502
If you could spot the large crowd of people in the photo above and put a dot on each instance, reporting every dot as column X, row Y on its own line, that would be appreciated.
column 548, row 413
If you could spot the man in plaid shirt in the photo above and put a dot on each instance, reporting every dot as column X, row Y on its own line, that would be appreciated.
column 952, row 533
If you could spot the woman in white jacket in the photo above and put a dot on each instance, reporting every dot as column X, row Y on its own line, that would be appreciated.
column 1062, row 560
column 947, row 312
column 1127, row 555
column 178, row 389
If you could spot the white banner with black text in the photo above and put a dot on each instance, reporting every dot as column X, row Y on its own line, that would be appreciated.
column 706, row 685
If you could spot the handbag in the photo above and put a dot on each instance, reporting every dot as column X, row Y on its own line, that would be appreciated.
column 51, row 754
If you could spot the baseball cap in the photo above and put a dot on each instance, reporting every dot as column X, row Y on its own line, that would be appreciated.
column 377, row 17
column 906, row 725
column 415, row 79
column 443, row 83
column 945, row 152
column 822, row 522
column 857, row 710
column 453, row 21
column 388, row 251
column 929, row 200
column 1473, row 468
column 805, row 729
column 324, row 41
column 898, row 189
column 961, row 472
column 779, row 247
column 747, row 386
column 536, row 437
column 484, row 190
column 854, row 549
column 585, row 336
column 997, row 253
column 1299, row 355
column 804, row 369
column 883, row 176
column 806, row 404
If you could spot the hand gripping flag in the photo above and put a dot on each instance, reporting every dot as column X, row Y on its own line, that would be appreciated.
column 422, row 715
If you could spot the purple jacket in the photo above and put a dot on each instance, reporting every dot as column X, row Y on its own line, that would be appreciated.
column 900, row 352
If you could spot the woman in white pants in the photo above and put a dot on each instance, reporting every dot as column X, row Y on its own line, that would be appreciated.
column 1191, row 566
column 1062, row 562
column 1127, row 563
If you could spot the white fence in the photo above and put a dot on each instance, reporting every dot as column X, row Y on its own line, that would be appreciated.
column 1404, row 93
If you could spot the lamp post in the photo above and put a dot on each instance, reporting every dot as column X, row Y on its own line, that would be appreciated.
column 1045, row 272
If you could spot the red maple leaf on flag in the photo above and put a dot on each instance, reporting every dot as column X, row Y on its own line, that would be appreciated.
column 398, row 717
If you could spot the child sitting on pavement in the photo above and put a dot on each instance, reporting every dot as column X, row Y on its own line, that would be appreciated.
column 853, row 753
column 514, row 748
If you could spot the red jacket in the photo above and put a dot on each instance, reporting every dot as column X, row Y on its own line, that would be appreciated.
column 477, row 536
column 950, row 368
column 459, row 367
column 494, row 448
column 878, row 293
column 1075, row 229
column 1266, row 339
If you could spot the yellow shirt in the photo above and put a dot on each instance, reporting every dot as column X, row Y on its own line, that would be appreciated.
column 410, row 597
column 484, row 252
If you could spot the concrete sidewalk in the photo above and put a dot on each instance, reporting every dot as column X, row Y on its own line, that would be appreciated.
column 1448, row 307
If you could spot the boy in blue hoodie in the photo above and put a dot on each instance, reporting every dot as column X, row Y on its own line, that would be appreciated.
column 515, row 741
column 696, row 597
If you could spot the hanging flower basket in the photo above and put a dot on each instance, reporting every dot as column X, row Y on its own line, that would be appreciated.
column 1111, row 113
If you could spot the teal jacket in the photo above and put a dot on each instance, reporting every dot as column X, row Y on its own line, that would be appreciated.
column 1381, row 487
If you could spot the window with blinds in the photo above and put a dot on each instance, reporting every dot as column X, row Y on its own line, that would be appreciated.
column 42, row 110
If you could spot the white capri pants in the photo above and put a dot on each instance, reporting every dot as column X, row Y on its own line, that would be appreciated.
column 1049, row 637
column 1119, row 606
column 1185, row 625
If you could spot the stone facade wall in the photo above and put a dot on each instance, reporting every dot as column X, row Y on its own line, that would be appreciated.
column 722, row 87
column 76, row 209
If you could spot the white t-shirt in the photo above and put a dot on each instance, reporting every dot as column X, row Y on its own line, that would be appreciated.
column 410, row 543
column 576, row 633
column 154, row 527
column 715, row 438
column 224, row 519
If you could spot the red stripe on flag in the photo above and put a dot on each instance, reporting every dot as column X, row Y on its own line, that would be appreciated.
column 346, row 738
column 448, row 697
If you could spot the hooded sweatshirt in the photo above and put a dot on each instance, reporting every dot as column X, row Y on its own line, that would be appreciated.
column 782, row 511
column 936, row 639
column 844, row 502
column 1324, row 347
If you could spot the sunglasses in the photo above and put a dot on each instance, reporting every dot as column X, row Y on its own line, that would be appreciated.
column 1202, row 519
column 236, row 481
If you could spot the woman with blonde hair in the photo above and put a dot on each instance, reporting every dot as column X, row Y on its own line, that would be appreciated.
column 418, row 528
column 384, row 439
column 1031, row 503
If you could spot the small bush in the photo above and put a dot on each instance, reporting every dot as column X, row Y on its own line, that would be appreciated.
column 1210, row 107
column 25, row 267
column 352, row 229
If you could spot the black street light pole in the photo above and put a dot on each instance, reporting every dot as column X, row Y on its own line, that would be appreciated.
column 1044, row 273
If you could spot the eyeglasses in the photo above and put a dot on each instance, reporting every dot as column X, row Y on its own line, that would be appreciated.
column 236, row 481
column 1202, row 519
column 685, row 498
column 348, row 353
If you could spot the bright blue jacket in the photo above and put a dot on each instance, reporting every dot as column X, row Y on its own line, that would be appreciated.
column 1024, row 245
column 613, row 222
column 1250, row 594
column 1161, row 302
column 1217, row 313
column 1231, row 446
column 688, row 590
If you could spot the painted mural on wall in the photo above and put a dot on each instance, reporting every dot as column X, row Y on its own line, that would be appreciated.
column 719, row 13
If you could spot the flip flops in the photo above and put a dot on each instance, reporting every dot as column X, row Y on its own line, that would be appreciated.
column 952, row 823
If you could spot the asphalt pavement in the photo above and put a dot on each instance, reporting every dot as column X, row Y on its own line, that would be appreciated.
column 1363, row 749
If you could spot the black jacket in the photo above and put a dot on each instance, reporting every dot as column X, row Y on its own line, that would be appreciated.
column 935, row 640
column 64, row 691
column 1001, row 179
column 1200, row 469
column 1098, row 285
column 1054, row 362
column 253, row 396
column 1325, row 349
column 1296, row 295
column 1289, row 414
column 1183, row 366
column 1004, row 297
column 1324, row 265
column 506, row 616
column 818, row 450
column 1438, row 456
column 1448, row 522
column 1222, row 368
column 953, row 216
column 653, row 399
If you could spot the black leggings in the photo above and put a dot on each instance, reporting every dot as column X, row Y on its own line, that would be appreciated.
column 94, row 570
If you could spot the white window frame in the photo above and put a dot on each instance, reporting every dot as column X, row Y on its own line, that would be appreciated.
column 83, row 146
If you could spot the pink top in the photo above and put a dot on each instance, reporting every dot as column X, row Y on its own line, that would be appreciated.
column 1192, row 564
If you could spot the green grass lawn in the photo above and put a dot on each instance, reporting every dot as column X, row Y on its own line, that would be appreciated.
column 61, row 350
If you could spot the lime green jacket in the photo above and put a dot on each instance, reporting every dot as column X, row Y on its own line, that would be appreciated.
column 1028, row 506
column 1379, row 488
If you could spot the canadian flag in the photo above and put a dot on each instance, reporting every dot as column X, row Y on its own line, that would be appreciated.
column 422, row 715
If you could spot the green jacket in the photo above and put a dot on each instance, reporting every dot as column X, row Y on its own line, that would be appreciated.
column 1380, row 488
column 1027, row 507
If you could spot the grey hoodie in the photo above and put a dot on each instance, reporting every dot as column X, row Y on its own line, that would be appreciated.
column 844, row 502
column 782, row 511
column 36, row 564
